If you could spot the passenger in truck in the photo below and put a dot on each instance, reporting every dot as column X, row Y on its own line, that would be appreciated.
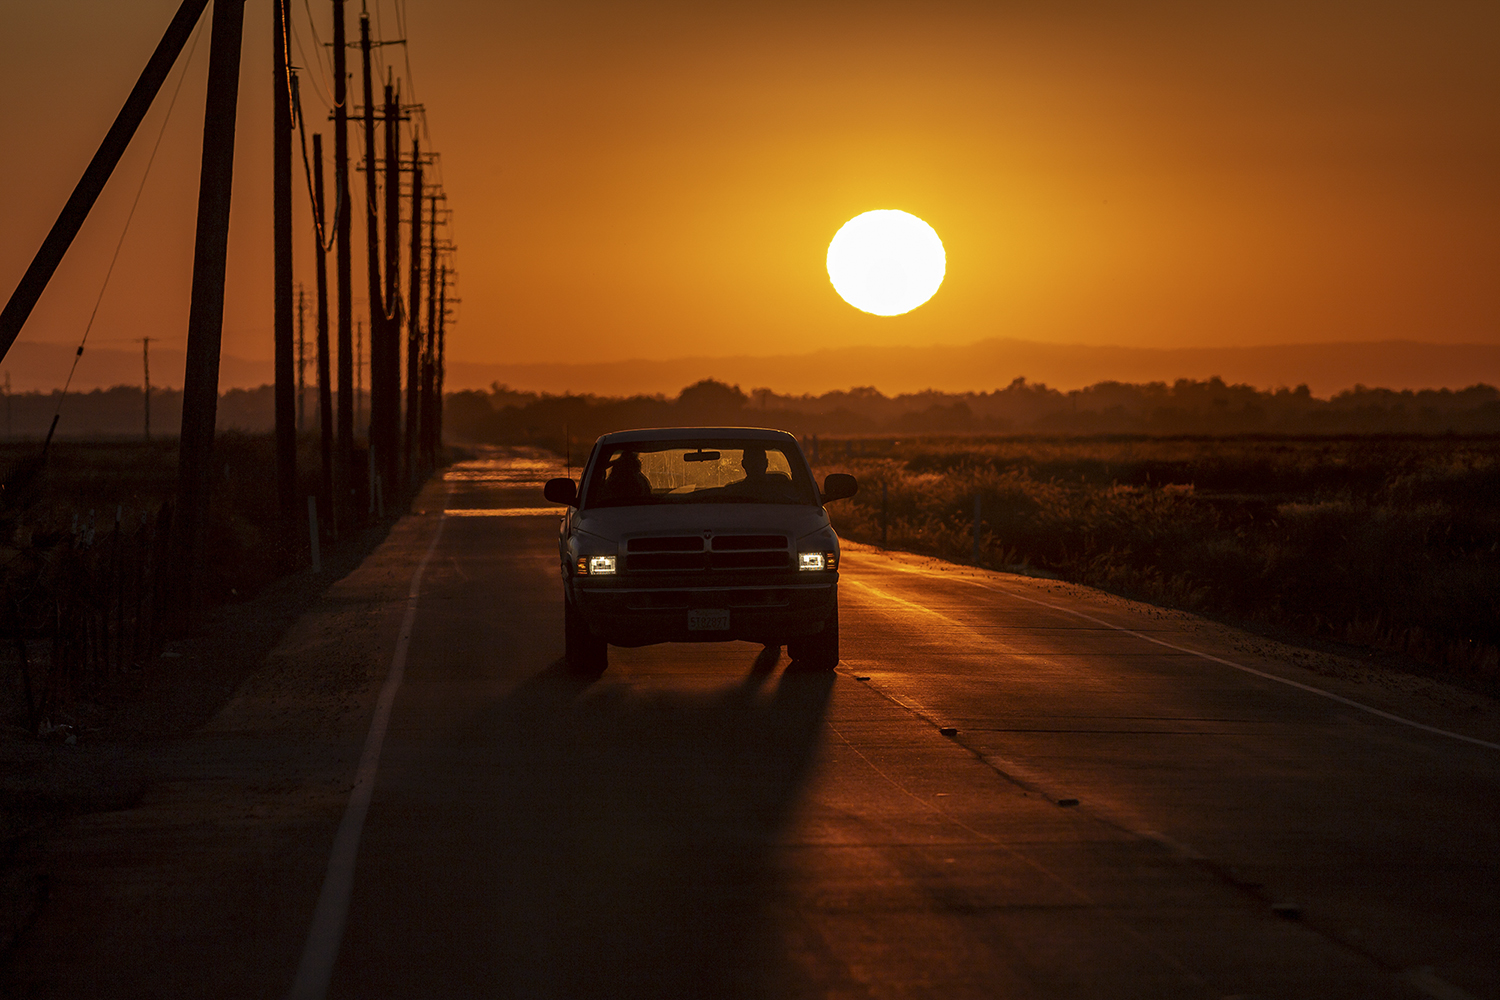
column 625, row 480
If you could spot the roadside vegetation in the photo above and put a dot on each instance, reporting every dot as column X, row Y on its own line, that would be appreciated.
column 1390, row 542
column 87, row 595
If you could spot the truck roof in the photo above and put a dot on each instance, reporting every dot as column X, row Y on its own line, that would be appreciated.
column 694, row 433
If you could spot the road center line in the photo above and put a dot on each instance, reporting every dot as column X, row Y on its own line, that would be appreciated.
column 327, row 931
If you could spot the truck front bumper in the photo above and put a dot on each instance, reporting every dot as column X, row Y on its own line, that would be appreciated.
column 629, row 613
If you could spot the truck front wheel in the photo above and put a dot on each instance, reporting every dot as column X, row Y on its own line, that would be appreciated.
column 819, row 651
column 585, row 652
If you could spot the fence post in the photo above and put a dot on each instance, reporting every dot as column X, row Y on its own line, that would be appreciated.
column 143, row 551
column 312, row 533
column 116, row 636
column 978, row 513
column 162, row 590
column 882, row 513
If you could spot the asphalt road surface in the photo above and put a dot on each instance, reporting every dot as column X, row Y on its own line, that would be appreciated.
column 1010, row 787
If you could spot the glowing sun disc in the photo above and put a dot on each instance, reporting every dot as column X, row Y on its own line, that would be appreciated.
column 886, row 262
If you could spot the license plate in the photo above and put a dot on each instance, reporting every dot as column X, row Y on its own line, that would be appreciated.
column 708, row 621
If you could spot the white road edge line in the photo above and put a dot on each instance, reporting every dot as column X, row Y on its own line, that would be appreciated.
column 1422, row 978
column 326, row 934
column 1249, row 670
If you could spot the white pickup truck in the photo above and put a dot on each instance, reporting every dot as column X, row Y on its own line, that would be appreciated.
column 699, row 534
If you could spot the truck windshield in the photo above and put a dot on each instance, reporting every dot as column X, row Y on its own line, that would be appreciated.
column 734, row 471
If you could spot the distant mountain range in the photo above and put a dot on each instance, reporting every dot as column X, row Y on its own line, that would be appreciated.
column 982, row 366
column 44, row 367
column 993, row 364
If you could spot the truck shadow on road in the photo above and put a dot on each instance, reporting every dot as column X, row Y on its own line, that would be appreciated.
column 625, row 844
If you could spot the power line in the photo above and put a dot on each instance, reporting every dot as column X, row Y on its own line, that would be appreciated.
column 145, row 175
column 323, row 71
column 320, row 222
column 411, row 80
column 322, row 95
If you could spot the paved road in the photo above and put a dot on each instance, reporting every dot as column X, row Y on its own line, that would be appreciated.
column 1010, row 788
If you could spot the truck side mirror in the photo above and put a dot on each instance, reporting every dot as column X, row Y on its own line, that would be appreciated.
column 838, row 486
column 561, row 491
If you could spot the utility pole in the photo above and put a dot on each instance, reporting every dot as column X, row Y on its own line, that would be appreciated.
column 344, row 467
column 429, row 368
column 372, row 255
column 145, row 380
column 281, row 227
column 301, row 360
column 442, row 362
column 325, row 378
column 414, row 307
column 386, row 416
column 200, row 393
column 359, row 371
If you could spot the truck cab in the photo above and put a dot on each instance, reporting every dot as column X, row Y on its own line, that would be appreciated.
column 699, row 534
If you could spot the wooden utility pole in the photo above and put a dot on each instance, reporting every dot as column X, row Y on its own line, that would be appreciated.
column 387, row 413
column 377, row 444
column 344, row 467
column 200, row 392
column 359, row 371
column 429, row 368
column 281, row 228
column 440, row 367
column 145, row 380
column 325, row 377
column 301, row 360
column 414, row 308
column 70, row 220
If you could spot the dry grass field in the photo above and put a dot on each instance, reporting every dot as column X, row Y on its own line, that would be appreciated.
column 86, row 487
column 87, row 585
column 1386, row 542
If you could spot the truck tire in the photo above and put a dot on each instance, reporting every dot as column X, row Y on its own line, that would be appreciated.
column 819, row 651
column 585, row 652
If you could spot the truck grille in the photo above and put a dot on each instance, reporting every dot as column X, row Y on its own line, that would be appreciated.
column 690, row 553
column 673, row 600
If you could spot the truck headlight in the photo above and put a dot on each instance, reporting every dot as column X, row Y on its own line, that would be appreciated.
column 817, row 560
column 596, row 565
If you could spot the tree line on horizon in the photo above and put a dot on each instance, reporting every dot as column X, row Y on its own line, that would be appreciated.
column 507, row 416
column 502, row 415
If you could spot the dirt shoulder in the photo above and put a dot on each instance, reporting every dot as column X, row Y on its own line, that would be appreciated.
column 113, row 848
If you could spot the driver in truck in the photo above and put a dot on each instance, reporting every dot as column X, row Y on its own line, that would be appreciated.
column 758, row 482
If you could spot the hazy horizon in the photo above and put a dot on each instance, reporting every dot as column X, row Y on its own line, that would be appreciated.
column 979, row 366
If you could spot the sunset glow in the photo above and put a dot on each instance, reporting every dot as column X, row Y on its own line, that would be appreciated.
column 623, row 181
column 886, row 262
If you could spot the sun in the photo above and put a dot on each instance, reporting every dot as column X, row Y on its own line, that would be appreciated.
column 886, row 262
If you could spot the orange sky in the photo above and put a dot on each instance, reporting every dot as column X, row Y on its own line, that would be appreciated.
column 658, row 180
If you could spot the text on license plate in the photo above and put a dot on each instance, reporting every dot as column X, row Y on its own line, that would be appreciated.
column 708, row 621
